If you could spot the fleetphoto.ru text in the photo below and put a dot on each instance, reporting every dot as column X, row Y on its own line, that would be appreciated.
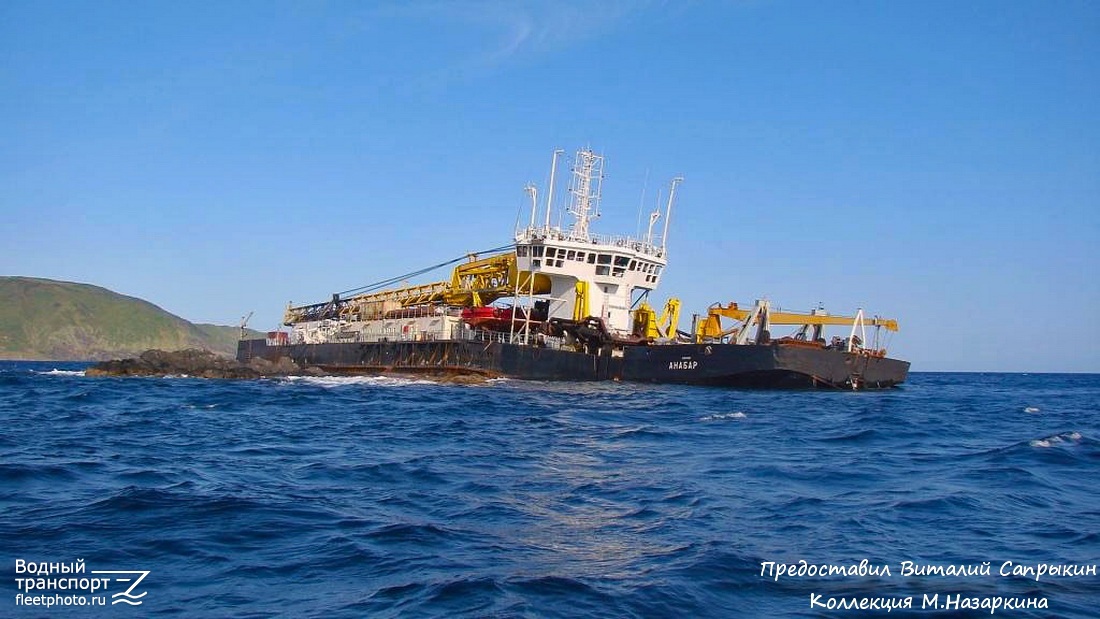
column 51, row 583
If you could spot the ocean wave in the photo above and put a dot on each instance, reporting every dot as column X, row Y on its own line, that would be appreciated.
column 944, row 505
column 344, row 381
column 57, row 372
column 554, row 585
column 857, row 436
column 643, row 431
column 724, row 416
column 1057, row 439
column 421, row 534
column 26, row 472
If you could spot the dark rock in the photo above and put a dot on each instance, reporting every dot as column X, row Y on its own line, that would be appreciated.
column 192, row 362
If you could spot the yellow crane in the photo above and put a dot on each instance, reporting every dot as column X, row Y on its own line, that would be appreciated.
column 649, row 326
column 761, row 315
column 476, row 283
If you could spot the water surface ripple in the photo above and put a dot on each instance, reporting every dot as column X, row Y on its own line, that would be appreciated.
column 382, row 497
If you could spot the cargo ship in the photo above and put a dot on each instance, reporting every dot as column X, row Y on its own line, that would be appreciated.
column 564, row 303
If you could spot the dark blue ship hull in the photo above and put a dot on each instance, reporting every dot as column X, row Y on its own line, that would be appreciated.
column 774, row 365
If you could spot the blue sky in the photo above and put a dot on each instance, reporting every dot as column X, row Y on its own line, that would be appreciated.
column 937, row 162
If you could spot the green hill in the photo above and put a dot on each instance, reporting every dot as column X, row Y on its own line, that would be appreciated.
column 59, row 321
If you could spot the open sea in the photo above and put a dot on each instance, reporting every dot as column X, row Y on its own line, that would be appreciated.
column 388, row 497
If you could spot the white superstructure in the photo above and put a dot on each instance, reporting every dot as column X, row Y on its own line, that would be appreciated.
column 591, row 275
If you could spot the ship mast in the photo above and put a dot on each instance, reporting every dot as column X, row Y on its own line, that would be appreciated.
column 550, row 189
column 534, row 193
column 585, row 187
column 668, row 211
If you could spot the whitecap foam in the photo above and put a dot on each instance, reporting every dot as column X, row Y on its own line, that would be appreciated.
column 57, row 372
column 720, row 416
column 1057, row 439
column 344, row 381
column 1031, row 409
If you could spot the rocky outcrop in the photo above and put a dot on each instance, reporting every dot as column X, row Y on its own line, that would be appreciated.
column 194, row 362
column 205, row 364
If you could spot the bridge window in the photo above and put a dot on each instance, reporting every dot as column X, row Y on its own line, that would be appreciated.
column 572, row 255
column 600, row 270
column 604, row 259
column 621, row 261
column 521, row 251
column 591, row 258
column 536, row 264
column 580, row 256
column 536, row 251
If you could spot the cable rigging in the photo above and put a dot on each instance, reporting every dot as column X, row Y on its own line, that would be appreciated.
column 394, row 280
